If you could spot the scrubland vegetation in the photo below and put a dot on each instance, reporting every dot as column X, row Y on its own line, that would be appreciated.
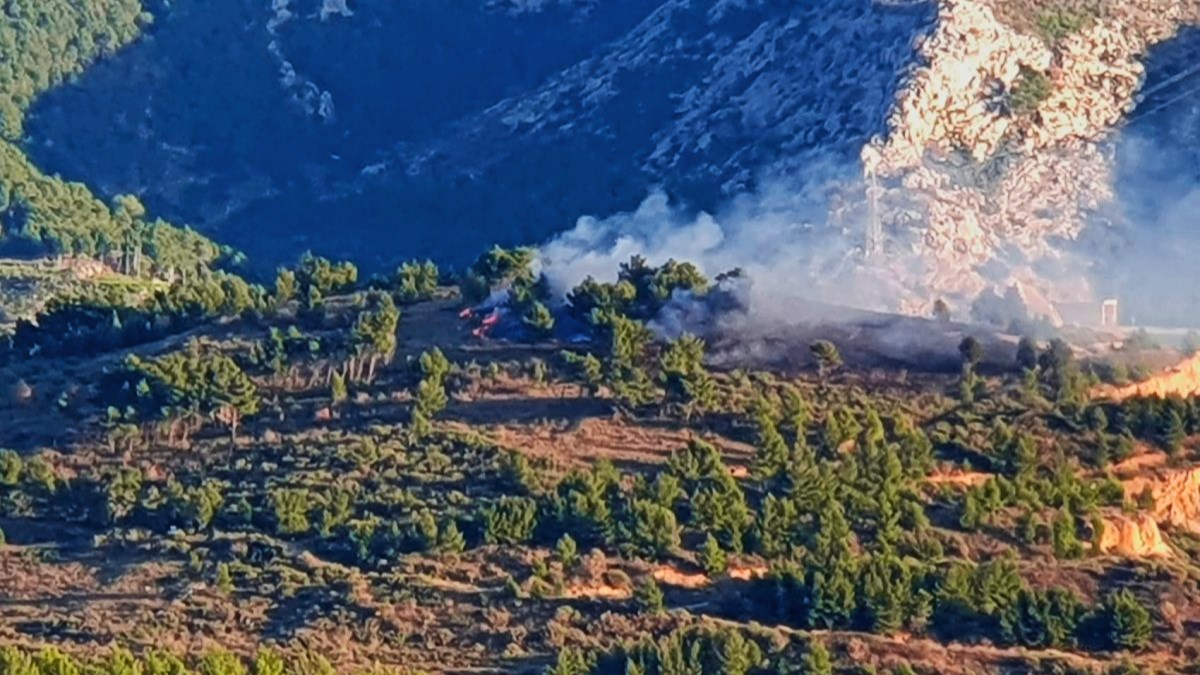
column 338, row 471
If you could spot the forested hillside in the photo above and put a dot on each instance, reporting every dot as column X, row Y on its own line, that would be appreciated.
column 113, row 247
column 46, row 43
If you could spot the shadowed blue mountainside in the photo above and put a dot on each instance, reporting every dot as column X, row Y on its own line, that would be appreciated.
column 388, row 130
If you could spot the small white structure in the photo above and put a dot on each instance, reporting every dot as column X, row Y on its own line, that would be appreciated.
column 1108, row 313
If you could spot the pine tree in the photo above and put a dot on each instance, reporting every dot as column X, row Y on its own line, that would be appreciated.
column 886, row 592
column 11, row 467
column 510, row 521
column 972, row 513
column 570, row 661
column 373, row 337
column 971, row 351
column 266, row 662
column 1173, row 432
column 915, row 448
column 290, row 507
column 1031, row 392
column 431, row 397
column 776, row 526
column 712, row 557
column 832, row 434
column 1041, row 619
column 686, row 382
column 285, row 287
column 539, row 320
column 1027, row 354
column 450, row 539
column 827, row 356
column 1126, row 621
column 566, row 552
column 312, row 305
column 416, row 281
column 795, row 413
column 770, row 455
column 832, row 570
column 1064, row 537
column 654, row 532
column 337, row 388
column 720, row 508
column 648, row 597
column 816, row 660
column 735, row 654
column 1020, row 456
column 700, row 390
column 589, row 368
column 1027, row 528
column 224, row 580
column 968, row 386
column 803, row 482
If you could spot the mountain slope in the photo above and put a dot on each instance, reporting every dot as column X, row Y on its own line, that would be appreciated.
column 431, row 146
column 383, row 132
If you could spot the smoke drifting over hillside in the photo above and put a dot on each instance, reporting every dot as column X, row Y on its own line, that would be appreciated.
column 1057, row 207
column 783, row 238
column 1147, row 255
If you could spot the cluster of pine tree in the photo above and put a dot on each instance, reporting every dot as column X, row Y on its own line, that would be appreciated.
column 639, row 293
column 182, row 389
column 96, row 321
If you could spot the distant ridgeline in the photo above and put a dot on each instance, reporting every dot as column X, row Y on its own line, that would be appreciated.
column 44, row 43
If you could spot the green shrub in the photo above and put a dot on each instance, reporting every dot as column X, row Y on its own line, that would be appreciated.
column 510, row 521
column 1058, row 23
column 1030, row 90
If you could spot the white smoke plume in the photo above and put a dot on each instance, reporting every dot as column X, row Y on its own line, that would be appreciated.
column 791, row 239
column 1051, row 218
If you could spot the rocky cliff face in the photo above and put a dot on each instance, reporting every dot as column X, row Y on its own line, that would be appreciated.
column 1134, row 536
column 975, row 171
column 1176, row 497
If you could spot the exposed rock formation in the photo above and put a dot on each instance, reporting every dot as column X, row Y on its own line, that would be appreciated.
column 1134, row 536
column 1176, row 497
column 1180, row 380
column 1176, row 507
column 963, row 179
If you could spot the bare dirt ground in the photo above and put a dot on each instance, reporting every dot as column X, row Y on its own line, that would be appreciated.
column 623, row 443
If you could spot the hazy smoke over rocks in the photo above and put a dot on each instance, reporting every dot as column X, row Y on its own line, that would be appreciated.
column 1078, row 209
